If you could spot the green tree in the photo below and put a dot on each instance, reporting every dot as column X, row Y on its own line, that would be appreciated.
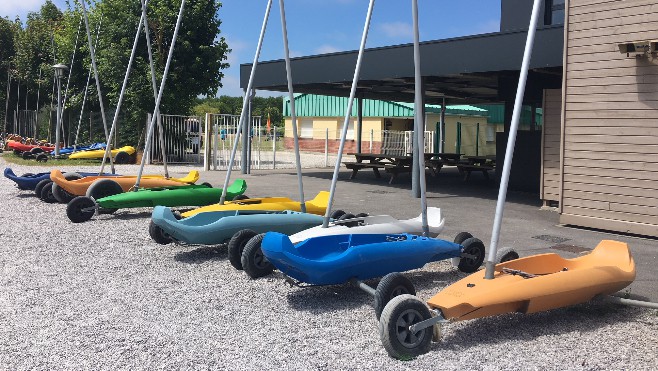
column 8, row 31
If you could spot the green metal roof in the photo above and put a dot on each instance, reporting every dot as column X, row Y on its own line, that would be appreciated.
column 311, row 105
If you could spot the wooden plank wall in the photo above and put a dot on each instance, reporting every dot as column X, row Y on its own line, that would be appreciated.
column 610, row 118
column 550, row 156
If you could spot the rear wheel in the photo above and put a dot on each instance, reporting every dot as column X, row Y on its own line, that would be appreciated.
column 392, row 285
column 158, row 235
column 236, row 246
column 60, row 193
column 27, row 175
column 506, row 254
column 47, row 193
column 398, row 315
column 206, row 184
column 240, row 197
column 475, row 248
column 39, row 187
column 254, row 262
column 80, row 209
column 361, row 215
column 336, row 214
column 103, row 188
column 461, row 237
column 36, row 150
column 42, row 157
column 122, row 158
column 27, row 155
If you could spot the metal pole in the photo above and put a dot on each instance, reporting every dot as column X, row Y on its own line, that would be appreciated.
column 68, row 80
column 274, row 149
column 442, row 140
column 419, row 118
column 154, row 84
column 4, row 128
column 115, row 119
column 293, row 114
column 359, row 123
column 326, row 147
column 507, row 166
column 355, row 80
column 244, row 103
column 59, row 115
column 84, row 97
column 108, row 137
column 156, row 111
column 372, row 134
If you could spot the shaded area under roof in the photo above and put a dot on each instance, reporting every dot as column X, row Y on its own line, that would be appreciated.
column 466, row 70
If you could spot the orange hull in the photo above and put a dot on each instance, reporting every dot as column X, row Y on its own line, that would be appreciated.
column 556, row 282
column 79, row 187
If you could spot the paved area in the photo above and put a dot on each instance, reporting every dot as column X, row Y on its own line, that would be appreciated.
column 466, row 206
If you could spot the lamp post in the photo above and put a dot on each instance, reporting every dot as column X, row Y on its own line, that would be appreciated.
column 59, row 74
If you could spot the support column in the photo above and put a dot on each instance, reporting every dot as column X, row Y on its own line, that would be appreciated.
column 245, row 135
column 533, row 117
column 418, row 148
column 442, row 142
column 359, row 124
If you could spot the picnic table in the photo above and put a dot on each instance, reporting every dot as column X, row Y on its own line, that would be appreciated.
column 436, row 160
column 485, row 164
column 392, row 164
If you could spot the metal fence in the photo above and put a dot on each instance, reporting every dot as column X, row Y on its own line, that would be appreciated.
column 223, row 129
column 183, row 140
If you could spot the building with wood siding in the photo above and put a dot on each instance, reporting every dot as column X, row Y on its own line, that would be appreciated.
column 609, row 142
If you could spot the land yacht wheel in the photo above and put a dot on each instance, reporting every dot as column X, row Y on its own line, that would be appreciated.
column 506, row 254
column 475, row 248
column 80, row 209
column 254, row 262
column 158, row 235
column 236, row 246
column 392, row 285
column 398, row 340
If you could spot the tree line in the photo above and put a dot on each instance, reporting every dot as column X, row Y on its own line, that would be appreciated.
column 50, row 36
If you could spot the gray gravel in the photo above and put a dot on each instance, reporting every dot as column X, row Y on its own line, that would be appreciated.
column 102, row 295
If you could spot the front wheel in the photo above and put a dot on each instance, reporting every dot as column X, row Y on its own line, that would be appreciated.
column 47, row 193
column 40, row 185
column 103, row 188
column 122, row 158
column 475, row 248
column 392, row 285
column 236, row 246
column 158, row 235
column 80, row 209
column 506, row 254
column 398, row 340
column 254, row 262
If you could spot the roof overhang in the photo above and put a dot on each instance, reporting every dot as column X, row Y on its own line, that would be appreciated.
column 465, row 70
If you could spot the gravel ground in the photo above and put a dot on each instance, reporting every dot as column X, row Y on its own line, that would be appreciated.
column 102, row 295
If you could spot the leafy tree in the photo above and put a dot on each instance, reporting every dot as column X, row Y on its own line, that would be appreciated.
column 8, row 31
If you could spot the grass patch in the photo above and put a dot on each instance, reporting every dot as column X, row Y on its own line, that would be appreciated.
column 10, row 157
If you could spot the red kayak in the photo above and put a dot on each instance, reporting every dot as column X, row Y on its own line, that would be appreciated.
column 18, row 146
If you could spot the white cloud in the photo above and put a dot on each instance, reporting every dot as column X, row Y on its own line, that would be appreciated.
column 396, row 30
column 11, row 8
column 326, row 48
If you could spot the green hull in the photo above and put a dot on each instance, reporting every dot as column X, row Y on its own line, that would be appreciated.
column 188, row 195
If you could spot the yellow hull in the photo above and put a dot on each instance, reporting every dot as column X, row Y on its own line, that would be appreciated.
column 99, row 153
column 317, row 206
column 551, row 282
column 79, row 187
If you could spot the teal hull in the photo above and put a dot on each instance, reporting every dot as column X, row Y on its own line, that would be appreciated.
column 188, row 195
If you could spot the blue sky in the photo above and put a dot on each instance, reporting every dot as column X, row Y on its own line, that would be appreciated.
column 324, row 26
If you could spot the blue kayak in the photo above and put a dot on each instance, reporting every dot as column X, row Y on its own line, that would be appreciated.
column 337, row 259
column 90, row 147
column 28, row 182
column 216, row 227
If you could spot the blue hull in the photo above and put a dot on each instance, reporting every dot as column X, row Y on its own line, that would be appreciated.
column 28, row 183
column 331, row 260
column 69, row 150
column 216, row 227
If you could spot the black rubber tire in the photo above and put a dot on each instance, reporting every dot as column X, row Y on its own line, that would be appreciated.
column 27, row 155
column 47, row 193
column 36, row 150
column 62, row 195
column 475, row 247
column 254, row 263
column 158, row 235
column 506, row 254
column 392, row 285
column 42, row 157
column 122, row 158
column 26, row 175
column 461, row 237
column 236, row 245
column 39, row 186
column 400, row 313
column 80, row 209
column 240, row 197
column 17, row 152
column 206, row 184
column 361, row 215
column 336, row 214
column 349, row 216
column 103, row 188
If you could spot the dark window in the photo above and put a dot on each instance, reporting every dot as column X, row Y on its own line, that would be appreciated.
column 554, row 13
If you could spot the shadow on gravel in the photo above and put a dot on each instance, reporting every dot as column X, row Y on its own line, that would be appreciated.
column 202, row 254
column 124, row 215
column 580, row 319
column 324, row 299
column 26, row 194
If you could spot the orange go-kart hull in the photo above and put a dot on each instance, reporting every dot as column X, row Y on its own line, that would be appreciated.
column 553, row 282
column 79, row 187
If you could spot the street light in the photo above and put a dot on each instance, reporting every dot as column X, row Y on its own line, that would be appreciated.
column 59, row 74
